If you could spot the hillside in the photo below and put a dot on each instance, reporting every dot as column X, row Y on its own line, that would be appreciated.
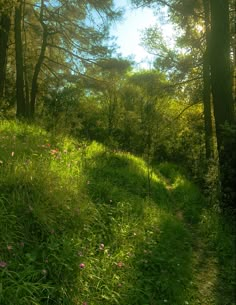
column 79, row 226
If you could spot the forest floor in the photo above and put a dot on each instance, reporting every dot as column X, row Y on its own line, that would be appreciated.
column 78, row 227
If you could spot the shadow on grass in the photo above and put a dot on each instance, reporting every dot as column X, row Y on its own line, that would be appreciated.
column 38, row 221
column 162, row 262
column 114, row 176
column 176, row 265
column 43, row 229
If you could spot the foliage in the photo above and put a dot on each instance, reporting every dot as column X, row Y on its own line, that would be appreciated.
column 77, row 227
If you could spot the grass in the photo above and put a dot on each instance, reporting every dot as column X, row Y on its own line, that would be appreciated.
column 77, row 226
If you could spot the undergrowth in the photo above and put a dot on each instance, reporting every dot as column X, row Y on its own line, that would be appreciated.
column 77, row 226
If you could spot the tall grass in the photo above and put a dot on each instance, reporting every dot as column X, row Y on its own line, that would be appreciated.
column 78, row 226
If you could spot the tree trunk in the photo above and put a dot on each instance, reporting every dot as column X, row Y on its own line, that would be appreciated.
column 20, row 97
column 5, row 23
column 221, row 81
column 207, row 107
column 207, row 86
column 34, row 85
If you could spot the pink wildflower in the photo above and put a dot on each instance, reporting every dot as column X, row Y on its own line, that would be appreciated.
column 3, row 264
column 120, row 264
column 82, row 266
column 53, row 151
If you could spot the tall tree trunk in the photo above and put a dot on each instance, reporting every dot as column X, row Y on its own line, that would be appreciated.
column 26, row 86
column 207, row 86
column 34, row 85
column 234, row 46
column 20, row 96
column 5, row 23
column 221, row 81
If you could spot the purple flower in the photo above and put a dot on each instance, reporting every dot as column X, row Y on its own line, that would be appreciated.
column 3, row 264
column 82, row 266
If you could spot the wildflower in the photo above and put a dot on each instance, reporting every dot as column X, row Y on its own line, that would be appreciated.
column 80, row 253
column 9, row 247
column 110, row 200
column 1, row 162
column 53, row 151
column 101, row 247
column 12, row 153
column 82, row 266
column 44, row 271
column 120, row 264
column 85, row 303
column 3, row 264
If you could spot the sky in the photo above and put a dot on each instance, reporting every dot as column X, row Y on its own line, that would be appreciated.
column 128, row 32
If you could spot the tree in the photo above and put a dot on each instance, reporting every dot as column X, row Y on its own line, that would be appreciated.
column 106, row 78
column 216, row 56
column 5, row 23
column 20, row 94
column 54, row 41
column 221, row 81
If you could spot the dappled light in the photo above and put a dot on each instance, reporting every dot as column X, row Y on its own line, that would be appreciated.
column 78, row 225
column 117, row 152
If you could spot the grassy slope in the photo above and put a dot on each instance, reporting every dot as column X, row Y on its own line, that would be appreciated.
column 63, row 204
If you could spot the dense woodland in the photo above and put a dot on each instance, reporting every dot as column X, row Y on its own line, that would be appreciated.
column 60, row 70
column 58, row 67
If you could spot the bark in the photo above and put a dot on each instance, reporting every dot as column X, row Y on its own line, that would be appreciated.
column 5, row 23
column 207, row 86
column 20, row 97
column 34, row 85
column 221, row 81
